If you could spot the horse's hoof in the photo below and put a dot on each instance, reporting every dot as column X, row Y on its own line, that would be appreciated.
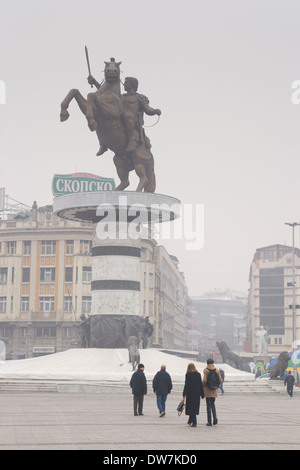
column 64, row 115
column 101, row 151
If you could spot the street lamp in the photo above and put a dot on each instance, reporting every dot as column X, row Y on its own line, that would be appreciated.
column 293, row 225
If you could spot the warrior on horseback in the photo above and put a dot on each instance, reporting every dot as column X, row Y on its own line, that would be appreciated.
column 118, row 122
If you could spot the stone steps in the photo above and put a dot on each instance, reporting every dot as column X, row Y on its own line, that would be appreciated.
column 7, row 385
column 61, row 386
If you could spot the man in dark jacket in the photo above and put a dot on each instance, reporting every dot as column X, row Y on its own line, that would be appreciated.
column 289, row 382
column 138, row 384
column 162, row 386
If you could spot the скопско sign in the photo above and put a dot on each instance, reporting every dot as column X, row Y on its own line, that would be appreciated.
column 80, row 183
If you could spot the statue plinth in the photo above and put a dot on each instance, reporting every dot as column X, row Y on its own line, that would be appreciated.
column 265, row 359
column 119, row 220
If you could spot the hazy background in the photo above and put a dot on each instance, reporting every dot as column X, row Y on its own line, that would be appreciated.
column 222, row 74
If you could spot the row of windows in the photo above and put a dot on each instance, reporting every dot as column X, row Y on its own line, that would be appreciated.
column 150, row 280
column 48, row 247
column 40, row 332
column 46, row 304
column 47, row 274
column 150, row 308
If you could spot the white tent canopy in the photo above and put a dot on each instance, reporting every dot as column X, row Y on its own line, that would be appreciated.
column 105, row 365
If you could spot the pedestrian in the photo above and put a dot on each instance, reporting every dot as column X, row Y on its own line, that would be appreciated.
column 289, row 381
column 222, row 374
column 162, row 386
column 211, row 381
column 193, row 390
column 138, row 384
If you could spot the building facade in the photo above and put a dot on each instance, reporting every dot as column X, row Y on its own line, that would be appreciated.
column 271, row 296
column 221, row 316
column 45, row 285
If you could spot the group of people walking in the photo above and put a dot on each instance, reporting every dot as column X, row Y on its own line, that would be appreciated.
column 194, row 389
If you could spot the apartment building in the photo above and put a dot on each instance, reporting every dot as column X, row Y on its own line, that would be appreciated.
column 171, row 302
column 271, row 296
column 221, row 315
column 45, row 284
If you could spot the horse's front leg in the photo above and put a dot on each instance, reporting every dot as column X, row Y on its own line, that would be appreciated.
column 123, row 173
column 90, row 111
column 74, row 93
column 141, row 173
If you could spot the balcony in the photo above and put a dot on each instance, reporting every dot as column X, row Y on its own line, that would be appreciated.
column 44, row 316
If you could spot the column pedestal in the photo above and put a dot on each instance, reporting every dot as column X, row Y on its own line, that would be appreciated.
column 118, row 220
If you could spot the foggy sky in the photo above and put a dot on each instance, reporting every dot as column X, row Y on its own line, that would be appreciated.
column 228, row 137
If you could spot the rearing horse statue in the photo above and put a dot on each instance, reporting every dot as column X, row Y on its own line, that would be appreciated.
column 105, row 115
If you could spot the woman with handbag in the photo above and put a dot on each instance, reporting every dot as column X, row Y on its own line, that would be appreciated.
column 193, row 390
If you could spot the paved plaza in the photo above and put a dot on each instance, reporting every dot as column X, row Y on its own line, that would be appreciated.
column 105, row 421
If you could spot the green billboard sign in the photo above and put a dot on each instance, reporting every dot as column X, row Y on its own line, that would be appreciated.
column 80, row 183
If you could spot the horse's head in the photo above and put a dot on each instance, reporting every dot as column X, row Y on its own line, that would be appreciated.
column 112, row 70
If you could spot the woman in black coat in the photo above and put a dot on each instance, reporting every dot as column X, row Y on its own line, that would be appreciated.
column 193, row 390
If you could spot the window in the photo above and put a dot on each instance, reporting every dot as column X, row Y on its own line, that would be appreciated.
column 26, row 275
column 3, row 275
column 23, row 331
column 86, row 304
column 25, row 304
column 69, row 247
column 6, row 332
column 2, row 304
column 47, row 275
column 150, row 280
column 66, row 332
column 85, row 247
column 86, row 274
column 271, row 299
column 48, row 247
column 68, row 304
column 46, row 304
column 11, row 248
column 27, row 248
column 150, row 307
column 68, row 274
column 46, row 332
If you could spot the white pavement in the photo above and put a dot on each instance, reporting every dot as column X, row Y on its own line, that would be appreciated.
column 105, row 423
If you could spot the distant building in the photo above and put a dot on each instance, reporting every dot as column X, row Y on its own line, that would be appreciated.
column 171, row 302
column 221, row 315
column 270, row 296
column 45, row 285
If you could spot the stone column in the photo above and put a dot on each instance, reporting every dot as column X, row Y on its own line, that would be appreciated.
column 117, row 219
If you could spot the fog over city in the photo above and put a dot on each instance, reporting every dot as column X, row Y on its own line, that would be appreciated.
column 224, row 75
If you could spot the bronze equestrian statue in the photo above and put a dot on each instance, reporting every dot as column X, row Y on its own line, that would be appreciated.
column 118, row 122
